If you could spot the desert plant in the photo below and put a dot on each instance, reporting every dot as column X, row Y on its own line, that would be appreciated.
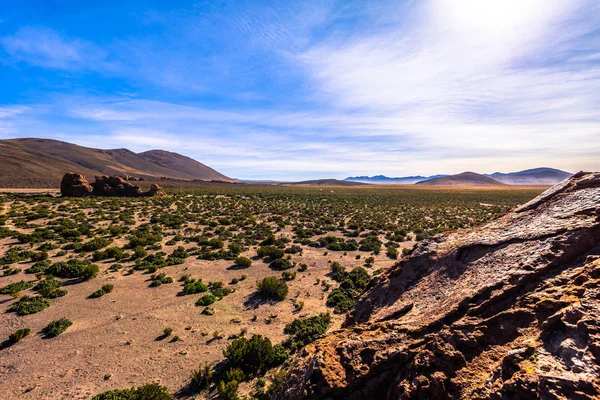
column 18, row 335
column 56, row 327
column 273, row 288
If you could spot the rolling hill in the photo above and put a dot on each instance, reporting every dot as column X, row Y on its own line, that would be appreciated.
column 326, row 182
column 385, row 180
column 536, row 176
column 43, row 162
column 464, row 179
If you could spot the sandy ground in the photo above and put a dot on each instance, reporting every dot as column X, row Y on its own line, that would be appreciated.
column 115, row 341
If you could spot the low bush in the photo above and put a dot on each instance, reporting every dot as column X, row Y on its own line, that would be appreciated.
column 306, row 330
column 253, row 355
column 18, row 335
column 206, row 300
column 273, row 288
column 82, row 269
column 16, row 287
column 243, row 262
column 193, row 286
column 29, row 305
column 281, row 264
column 152, row 391
column 50, row 288
column 56, row 327
column 102, row 291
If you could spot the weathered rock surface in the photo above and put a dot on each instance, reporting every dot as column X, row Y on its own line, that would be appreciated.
column 509, row 310
column 75, row 185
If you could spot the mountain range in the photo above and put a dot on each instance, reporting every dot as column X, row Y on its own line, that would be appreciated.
column 536, row 176
column 43, row 162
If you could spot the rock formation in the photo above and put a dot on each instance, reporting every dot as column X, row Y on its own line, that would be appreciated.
column 509, row 310
column 75, row 185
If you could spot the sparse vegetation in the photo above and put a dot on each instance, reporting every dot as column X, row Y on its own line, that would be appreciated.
column 313, row 242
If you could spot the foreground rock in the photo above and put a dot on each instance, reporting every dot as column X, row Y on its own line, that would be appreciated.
column 75, row 185
column 510, row 310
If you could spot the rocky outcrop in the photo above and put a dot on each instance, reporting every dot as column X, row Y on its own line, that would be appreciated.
column 509, row 310
column 75, row 185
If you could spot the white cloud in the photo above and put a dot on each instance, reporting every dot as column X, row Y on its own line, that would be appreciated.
column 46, row 48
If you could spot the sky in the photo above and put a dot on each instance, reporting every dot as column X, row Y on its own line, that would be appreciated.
column 293, row 90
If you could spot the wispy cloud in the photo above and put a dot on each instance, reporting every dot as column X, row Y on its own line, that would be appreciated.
column 46, row 48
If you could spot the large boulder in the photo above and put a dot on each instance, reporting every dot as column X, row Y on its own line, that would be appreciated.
column 75, row 185
column 509, row 310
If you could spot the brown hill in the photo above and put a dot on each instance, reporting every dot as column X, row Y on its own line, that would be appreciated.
column 464, row 179
column 43, row 162
column 509, row 310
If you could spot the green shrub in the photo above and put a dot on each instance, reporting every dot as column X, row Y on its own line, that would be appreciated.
column 338, row 271
column 50, row 288
column 102, row 291
column 273, row 288
column 82, row 269
column 271, row 252
column 96, row 244
column 243, row 262
column 201, row 378
column 38, row 267
column 194, row 286
column 229, row 390
column 159, row 279
column 252, row 355
column 341, row 300
column 281, row 264
column 152, row 391
column 16, row 287
column 56, row 327
column 206, row 300
column 218, row 289
column 29, row 305
column 18, row 335
column 306, row 330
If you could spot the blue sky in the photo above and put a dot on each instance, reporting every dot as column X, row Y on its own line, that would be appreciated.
column 302, row 89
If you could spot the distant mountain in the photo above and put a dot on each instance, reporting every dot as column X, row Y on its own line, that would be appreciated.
column 384, row 180
column 536, row 176
column 43, row 162
column 326, row 182
column 464, row 179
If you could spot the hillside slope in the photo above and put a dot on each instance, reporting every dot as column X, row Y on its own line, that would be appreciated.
column 464, row 179
column 503, row 311
column 39, row 162
column 326, row 182
column 536, row 176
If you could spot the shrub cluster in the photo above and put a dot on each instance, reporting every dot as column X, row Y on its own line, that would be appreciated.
column 82, row 269
column 152, row 391
column 306, row 330
column 29, row 305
